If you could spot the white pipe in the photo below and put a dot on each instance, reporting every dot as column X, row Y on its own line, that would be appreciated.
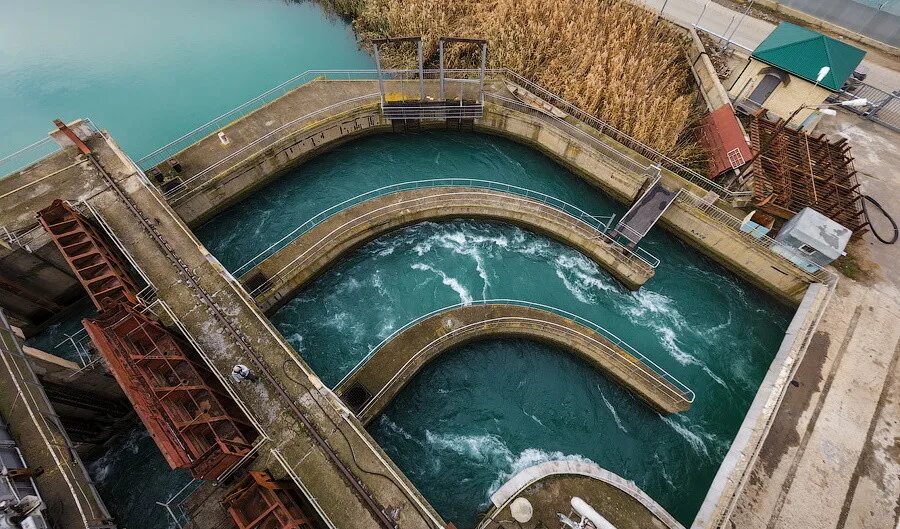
column 586, row 511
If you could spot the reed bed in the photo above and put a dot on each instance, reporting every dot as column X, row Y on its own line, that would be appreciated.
column 612, row 58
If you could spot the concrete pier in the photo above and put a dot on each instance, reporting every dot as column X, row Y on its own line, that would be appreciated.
column 310, row 436
column 549, row 488
column 68, row 492
column 370, row 388
column 280, row 277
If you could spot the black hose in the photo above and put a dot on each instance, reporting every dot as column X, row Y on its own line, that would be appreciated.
column 883, row 212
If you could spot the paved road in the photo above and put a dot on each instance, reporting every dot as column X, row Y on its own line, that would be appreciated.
column 751, row 31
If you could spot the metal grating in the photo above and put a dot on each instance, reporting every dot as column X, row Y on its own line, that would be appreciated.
column 259, row 502
column 193, row 421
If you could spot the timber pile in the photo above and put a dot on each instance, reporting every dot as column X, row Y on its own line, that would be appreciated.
column 797, row 171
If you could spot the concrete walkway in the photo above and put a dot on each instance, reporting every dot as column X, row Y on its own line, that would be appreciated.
column 831, row 459
column 397, row 362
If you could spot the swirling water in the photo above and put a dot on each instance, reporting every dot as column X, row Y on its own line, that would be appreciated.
column 477, row 415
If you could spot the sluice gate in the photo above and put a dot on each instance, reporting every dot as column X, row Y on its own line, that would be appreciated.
column 259, row 502
column 194, row 422
column 101, row 272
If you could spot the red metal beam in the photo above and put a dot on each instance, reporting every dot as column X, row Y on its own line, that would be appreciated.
column 97, row 267
column 197, row 427
column 259, row 502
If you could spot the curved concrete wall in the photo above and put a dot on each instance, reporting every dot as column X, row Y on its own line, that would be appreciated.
column 280, row 277
column 574, row 145
column 396, row 363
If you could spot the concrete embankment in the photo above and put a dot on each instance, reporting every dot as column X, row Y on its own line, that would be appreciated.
column 310, row 436
column 370, row 388
column 277, row 279
column 65, row 486
column 216, row 176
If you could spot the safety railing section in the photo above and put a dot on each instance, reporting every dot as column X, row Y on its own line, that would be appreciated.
column 681, row 391
column 572, row 213
column 883, row 107
column 203, row 177
column 822, row 275
column 413, row 111
column 27, row 155
column 644, row 150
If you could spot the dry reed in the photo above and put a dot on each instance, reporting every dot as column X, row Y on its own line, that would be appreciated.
column 610, row 57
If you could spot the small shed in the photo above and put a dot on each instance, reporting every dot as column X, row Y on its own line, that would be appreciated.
column 724, row 141
column 780, row 74
column 812, row 240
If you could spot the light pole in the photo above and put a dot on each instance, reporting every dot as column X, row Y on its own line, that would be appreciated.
column 744, row 14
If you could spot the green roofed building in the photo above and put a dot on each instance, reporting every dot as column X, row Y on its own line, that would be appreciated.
column 780, row 74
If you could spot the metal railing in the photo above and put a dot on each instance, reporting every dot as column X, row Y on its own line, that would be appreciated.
column 27, row 155
column 883, row 107
column 638, row 257
column 644, row 150
column 822, row 275
column 673, row 387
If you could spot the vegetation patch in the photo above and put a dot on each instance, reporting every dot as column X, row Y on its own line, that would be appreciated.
column 612, row 58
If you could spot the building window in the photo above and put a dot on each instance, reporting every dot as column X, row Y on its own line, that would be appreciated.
column 807, row 249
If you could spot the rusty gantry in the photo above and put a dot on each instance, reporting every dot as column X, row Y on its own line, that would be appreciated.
column 196, row 425
column 794, row 170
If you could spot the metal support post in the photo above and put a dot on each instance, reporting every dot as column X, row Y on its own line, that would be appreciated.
column 421, row 71
column 481, row 73
column 441, row 65
column 380, row 75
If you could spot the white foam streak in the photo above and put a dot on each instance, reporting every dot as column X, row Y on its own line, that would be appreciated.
column 612, row 411
column 464, row 295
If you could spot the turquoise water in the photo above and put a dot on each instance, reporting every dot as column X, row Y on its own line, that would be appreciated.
column 479, row 414
column 150, row 71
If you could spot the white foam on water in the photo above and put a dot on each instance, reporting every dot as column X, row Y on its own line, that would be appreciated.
column 528, row 458
column 396, row 429
column 693, row 439
column 464, row 295
column 535, row 419
column 663, row 473
column 581, row 277
column 485, row 449
column 612, row 411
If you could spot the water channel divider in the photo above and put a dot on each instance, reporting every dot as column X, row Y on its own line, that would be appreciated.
column 687, row 393
column 572, row 213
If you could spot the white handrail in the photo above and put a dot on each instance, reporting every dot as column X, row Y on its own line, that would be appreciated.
column 689, row 394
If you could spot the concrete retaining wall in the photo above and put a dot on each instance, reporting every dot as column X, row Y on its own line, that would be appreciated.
column 707, row 79
column 285, row 273
column 733, row 471
column 398, row 361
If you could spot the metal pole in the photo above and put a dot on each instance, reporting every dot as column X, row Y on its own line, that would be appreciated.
column 702, row 12
column 441, row 65
column 662, row 10
column 740, row 21
column 421, row 73
column 380, row 76
column 481, row 73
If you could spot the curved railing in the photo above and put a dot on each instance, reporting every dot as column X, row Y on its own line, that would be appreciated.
column 576, row 214
column 678, row 390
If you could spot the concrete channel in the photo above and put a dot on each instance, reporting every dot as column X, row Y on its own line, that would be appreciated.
column 278, row 278
column 372, row 386
column 311, row 434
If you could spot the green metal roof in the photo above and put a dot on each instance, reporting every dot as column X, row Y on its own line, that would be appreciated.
column 803, row 52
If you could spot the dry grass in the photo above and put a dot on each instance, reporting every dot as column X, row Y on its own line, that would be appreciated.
column 610, row 57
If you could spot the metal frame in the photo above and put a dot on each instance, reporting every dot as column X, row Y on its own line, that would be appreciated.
column 377, row 43
column 481, row 70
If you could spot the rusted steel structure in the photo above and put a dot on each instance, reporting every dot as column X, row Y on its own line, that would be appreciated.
column 795, row 170
column 196, row 424
column 101, row 272
column 259, row 502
